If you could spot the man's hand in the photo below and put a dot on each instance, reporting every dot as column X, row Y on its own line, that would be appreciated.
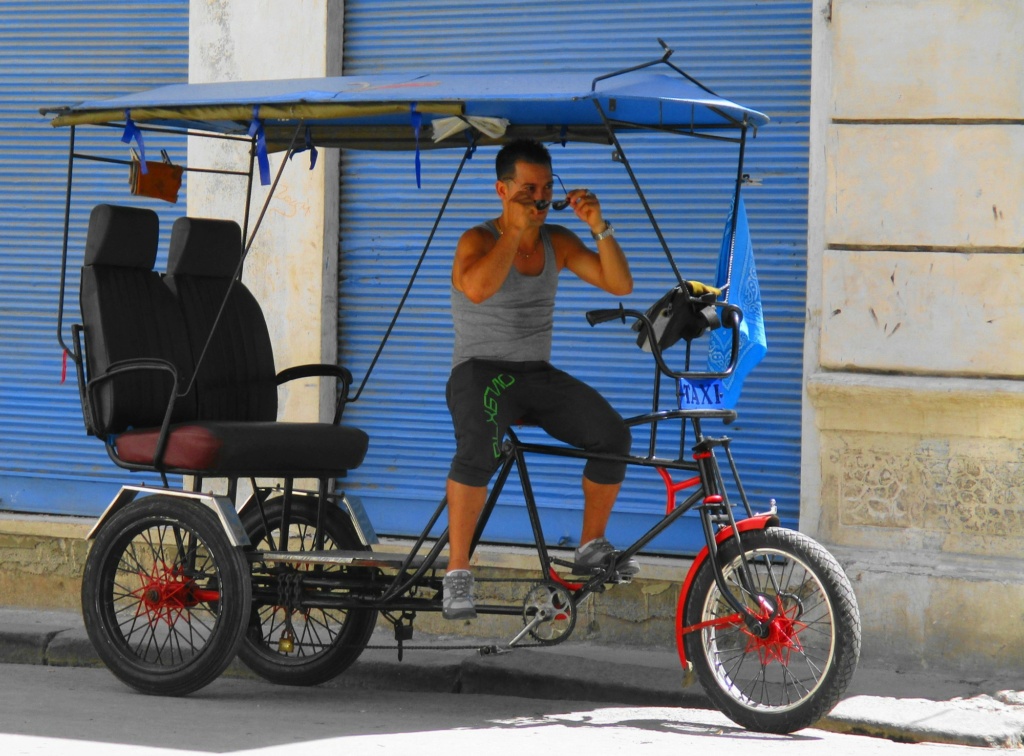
column 522, row 213
column 587, row 208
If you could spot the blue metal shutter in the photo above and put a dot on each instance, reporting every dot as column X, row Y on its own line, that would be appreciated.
column 56, row 53
column 753, row 52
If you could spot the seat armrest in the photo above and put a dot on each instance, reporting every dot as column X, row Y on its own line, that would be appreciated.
column 128, row 366
column 306, row 371
column 320, row 370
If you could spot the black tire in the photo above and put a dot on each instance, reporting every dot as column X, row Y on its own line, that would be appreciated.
column 793, row 678
column 326, row 641
column 165, row 596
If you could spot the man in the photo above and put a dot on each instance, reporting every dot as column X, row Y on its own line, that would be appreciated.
column 504, row 278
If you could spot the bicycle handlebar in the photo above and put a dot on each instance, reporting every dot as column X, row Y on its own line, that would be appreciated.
column 731, row 318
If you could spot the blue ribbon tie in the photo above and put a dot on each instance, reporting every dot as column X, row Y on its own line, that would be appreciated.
column 309, row 146
column 256, row 130
column 131, row 131
column 417, row 123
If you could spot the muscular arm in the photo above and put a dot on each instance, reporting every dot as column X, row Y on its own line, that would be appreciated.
column 607, row 268
column 482, row 264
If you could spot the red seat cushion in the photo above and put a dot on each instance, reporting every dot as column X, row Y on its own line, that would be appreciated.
column 269, row 449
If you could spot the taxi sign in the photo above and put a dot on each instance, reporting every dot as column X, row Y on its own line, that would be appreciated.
column 706, row 393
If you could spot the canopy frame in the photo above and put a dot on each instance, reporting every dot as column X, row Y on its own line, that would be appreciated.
column 604, row 133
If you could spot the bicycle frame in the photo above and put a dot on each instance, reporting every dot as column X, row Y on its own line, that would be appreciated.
column 709, row 498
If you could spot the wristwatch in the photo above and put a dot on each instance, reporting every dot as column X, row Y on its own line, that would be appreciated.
column 609, row 230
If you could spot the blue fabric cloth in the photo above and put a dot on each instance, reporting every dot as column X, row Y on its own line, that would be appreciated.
column 736, row 270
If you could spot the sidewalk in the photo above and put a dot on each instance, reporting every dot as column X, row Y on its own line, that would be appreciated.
column 917, row 707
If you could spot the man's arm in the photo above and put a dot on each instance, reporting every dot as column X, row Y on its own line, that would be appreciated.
column 606, row 269
column 482, row 264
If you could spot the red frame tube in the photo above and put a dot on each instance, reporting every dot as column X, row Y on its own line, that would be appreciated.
column 758, row 522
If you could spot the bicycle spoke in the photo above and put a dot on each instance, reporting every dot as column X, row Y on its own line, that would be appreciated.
column 784, row 667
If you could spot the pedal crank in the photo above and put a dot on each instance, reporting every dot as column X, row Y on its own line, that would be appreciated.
column 549, row 615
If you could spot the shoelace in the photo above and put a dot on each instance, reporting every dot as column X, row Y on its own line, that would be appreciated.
column 458, row 586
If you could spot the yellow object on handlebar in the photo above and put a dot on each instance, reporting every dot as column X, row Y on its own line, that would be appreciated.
column 699, row 289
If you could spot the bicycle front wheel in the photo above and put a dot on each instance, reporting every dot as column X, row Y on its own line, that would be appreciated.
column 795, row 674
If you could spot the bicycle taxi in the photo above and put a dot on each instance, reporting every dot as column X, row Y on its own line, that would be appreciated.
column 176, row 376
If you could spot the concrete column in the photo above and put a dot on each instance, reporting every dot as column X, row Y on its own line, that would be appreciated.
column 912, row 463
column 292, row 267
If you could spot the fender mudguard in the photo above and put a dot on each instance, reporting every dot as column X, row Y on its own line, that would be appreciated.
column 352, row 506
column 758, row 522
column 221, row 506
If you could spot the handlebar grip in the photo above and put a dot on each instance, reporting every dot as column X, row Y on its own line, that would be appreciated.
column 603, row 316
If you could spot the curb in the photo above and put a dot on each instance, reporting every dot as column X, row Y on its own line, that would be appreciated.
column 583, row 672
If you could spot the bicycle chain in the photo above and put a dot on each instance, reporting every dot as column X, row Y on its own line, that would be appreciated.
column 492, row 649
column 289, row 588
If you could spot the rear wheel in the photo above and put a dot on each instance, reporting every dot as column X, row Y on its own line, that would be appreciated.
column 794, row 675
column 165, row 595
column 303, row 646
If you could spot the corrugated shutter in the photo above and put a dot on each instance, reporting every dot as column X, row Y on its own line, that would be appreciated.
column 756, row 53
column 53, row 54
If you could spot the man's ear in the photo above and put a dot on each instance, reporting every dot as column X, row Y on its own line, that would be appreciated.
column 501, row 187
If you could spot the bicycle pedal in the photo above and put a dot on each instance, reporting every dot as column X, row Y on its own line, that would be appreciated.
column 492, row 651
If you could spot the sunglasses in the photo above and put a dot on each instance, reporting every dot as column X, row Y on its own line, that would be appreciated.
column 557, row 204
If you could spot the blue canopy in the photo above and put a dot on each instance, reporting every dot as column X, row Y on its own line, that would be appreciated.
column 390, row 111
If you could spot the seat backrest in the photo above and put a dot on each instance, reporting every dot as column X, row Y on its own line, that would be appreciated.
column 236, row 379
column 128, row 314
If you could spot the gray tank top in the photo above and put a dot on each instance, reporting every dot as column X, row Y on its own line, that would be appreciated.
column 515, row 323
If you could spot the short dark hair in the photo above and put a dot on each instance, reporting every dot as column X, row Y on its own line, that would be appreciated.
column 526, row 150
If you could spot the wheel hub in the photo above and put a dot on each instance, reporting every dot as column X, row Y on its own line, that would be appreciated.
column 165, row 593
column 781, row 637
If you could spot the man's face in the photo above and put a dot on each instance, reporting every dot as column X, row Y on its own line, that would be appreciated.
column 530, row 184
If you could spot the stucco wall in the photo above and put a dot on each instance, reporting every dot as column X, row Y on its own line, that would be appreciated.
column 292, row 268
column 914, row 412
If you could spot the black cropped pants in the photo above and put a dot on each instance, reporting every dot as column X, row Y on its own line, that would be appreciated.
column 485, row 397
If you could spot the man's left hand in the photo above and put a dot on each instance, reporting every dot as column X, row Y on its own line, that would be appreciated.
column 587, row 208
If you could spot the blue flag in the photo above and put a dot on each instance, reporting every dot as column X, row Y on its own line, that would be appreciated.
column 736, row 271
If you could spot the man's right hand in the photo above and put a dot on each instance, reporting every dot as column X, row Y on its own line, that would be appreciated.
column 521, row 213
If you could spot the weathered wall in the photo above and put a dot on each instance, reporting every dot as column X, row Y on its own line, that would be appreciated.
column 914, row 419
column 43, row 559
column 292, row 268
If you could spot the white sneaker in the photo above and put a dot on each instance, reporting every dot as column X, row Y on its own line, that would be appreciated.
column 457, row 601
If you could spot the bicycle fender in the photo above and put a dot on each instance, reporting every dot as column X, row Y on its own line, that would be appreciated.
column 758, row 522
column 352, row 506
column 221, row 506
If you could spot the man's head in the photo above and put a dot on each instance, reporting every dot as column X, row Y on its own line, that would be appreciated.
column 524, row 150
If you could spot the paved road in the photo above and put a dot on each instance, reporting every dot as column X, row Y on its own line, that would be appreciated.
column 45, row 711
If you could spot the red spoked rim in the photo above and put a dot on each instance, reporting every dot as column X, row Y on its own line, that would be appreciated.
column 166, row 591
column 782, row 638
